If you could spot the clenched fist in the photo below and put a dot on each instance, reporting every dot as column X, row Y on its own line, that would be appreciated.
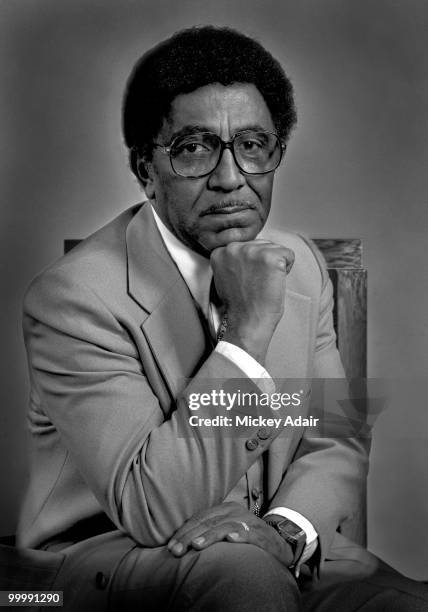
column 249, row 278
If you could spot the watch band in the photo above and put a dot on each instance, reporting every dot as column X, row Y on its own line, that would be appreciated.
column 291, row 533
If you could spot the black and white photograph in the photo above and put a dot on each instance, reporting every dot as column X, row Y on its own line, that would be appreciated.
column 214, row 227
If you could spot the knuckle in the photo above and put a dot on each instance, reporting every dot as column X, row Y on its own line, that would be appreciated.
column 231, row 245
column 269, row 257
column 217, row 255
column 250, row 254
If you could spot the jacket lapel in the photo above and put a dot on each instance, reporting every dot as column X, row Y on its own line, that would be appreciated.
column 173, row 326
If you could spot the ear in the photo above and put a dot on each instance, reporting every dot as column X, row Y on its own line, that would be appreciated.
column 145, row 174
column 143, row 170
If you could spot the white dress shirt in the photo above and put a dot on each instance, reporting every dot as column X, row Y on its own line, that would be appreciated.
column 197, row 273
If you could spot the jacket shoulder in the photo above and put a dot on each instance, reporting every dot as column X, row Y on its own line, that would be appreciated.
column 97, row 262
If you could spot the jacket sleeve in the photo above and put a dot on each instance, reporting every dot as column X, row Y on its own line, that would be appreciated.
column 326, row 479
column 149, row 473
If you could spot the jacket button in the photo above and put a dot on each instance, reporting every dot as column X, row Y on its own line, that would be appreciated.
column 264, row 433
column 101, row 581
column 252, row 444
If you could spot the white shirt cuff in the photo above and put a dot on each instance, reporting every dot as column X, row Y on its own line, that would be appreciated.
column 308, row 528
column 248, row 365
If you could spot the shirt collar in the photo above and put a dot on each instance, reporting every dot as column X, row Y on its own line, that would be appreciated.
column 193, row 267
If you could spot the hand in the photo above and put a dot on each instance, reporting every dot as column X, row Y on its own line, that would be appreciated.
column 226, row 522
column 250, row 280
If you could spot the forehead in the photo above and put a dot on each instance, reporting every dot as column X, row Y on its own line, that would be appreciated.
column 223, row 109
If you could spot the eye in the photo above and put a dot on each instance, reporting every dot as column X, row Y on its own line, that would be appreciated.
column 192, row 147
column 250, row 144
column 198, row 145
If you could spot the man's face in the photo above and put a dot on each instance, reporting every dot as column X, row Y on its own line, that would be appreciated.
column 227, row 205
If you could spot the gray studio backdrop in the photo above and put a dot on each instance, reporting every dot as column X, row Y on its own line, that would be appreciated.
column 356, row 166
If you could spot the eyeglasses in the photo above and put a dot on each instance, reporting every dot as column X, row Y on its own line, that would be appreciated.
column 197, row 155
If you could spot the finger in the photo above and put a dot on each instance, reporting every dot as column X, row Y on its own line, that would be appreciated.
column 236, row 537
column 285, row 257
column 193, row 528
column 207, row 518
column 175, row 544
column 180, row 544
column 290, row 257
column 279, row 255
column 261, row 241
column 244, row 534
column 181, row 540
column 220, row 533
column 200, row 537
column 285, row 264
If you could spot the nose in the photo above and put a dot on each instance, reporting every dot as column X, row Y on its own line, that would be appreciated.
column 226, row 176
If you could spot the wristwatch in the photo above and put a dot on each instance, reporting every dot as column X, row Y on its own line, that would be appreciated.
column 292, row 533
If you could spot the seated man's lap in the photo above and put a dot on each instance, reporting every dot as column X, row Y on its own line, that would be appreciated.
column 110, row 572
column 225, row 576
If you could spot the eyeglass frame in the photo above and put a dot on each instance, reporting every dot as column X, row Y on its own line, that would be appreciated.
column 224, row 144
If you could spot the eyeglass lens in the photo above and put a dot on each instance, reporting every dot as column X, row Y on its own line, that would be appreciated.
column 255, row 152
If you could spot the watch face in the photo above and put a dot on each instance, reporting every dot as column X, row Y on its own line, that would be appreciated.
column 293, row 534
column 290, row 528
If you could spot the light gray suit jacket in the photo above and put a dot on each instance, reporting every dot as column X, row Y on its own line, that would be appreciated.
column 112, row 333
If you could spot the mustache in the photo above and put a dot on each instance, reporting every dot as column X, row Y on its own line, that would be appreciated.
column 225, row 204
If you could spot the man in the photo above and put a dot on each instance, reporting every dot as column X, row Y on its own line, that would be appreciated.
column 150, row 511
